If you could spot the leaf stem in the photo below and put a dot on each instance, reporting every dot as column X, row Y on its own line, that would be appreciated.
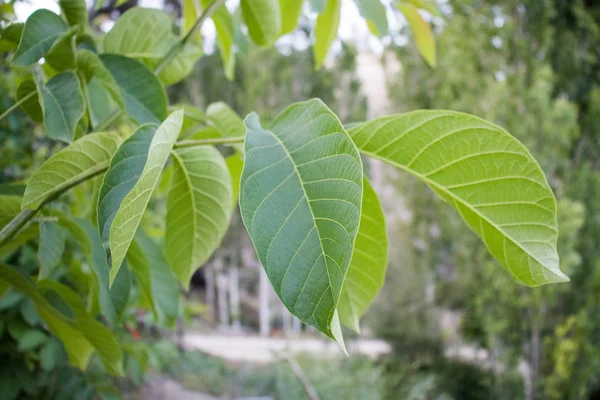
column 17, row 104
column 204, row 142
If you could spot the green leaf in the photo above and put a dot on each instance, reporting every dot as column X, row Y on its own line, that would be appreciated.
column 145, row 98
column 191, row 118
column 290, row 14
column 326, row 30
column 31, row 340
column 235, row 166
column 9, row 208
column 157, row 281
column 226, row 121
column 52, row 246
column 486, row 174
column 97, row 334
column 75, row 12
column 90, row 66
column 32, row 105
column 102, row 106
column 421, row 31
column 10, row 36
column 84, row 158
column 41, row 30
column 142, row 33
column 225, row 37
column 198, row 209
column 120, row 290
column 61, row 55
column 263, row 19
column 52, row 354
column 77, row 346
column 190, row 11
column 317, row 6
column 366, row 273
column 63, row 106
column 374, row 12
column 181, row 66
column 428, row 5
column 123, row 222
column 300, row 200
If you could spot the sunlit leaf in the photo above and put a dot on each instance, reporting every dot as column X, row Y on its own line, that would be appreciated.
column 225, row 37
column 428, row 5
column 198, row 209
column 483, row 172
column 191, row 10
column 421, row 31
column 181, row 66
column 300, row 199
column 235, row 166
column 52, row 246
column 326, row 30
column 263, row 19
column 85, row 158
column 290, row 14
column 41, row 30
column 366, row 273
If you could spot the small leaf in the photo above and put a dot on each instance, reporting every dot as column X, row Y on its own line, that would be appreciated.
column 75, row 12
column 181, row 66
column 366, row 273
column 97, row 334
column 41, row 30
column 235, row 166
column 52, row 246
column 31, row 340
column 263, row 19
column 52, row 354
column 145, row 98
column 290, row 14
column 10, row 36
column 374, row 12
column 86, row 157
column 32, row 105
column 121, row 218
column 227, row 122
column 77, row 346
column 63, row 106
column 225, row 37
column 485, row 174
column 421, row 31
column 90, row 66
column 198, row 209
column 300, row 200
column 61, row 55
column 326, row 30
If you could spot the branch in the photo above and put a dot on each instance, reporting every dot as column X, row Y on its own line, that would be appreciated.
column 16, row 105
column 310, row 390
column 204, row 142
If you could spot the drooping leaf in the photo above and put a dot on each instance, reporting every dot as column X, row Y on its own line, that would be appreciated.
column 300, row 200
column 263, row 19
column 421, row 31
column 374, row 12
column 61, row 55
column 86, row 157
column 90, row 66
column 118, row 220
column 103, row 106
column 483, row 172
column 366, row 273
column 290, row 14
column 225, row 37
column 32, row 105
column 192, row 116
column 198, row 209
column 326, row 30
column 52, row 246
column 41, row 30
column 190, row 11
column 154, row 275
column 77, row 346
column 75, row 12
column 144, row 96
column 63, row 106
column 226, row 121
column 97, row 334
column 181, row 66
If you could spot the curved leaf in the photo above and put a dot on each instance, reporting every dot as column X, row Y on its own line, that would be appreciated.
column 374, row 12
column 41, row 30
column 421, row 31
column 61, row 55
column 226, row 121
column 181, row 66
column 198, row 209
column 263, row 19
column 190, row 11
column 366, row 273
column 90, row 66
column 10, row 36
column 486, row 174
column 326, row 30
column 75, row 12
column 86, row 157
column 63, row 106
column 145, row 98
column 52, row 246
column 32, row 105
column 128, row 212
column 300, row 199
column 225, row 37
column 290, row 14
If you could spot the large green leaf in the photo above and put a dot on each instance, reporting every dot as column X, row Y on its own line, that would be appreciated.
column 486, row 174
column 97, row 334
column 63, row 106
column 290, row 14
column 145, row 98
column 85, row 158
column 366, row 273
column 78, row 347
column 198, row 209
column 263, row 19
column 374, row 12
column 226, row 121
column 61, row 55
column 32, row 105
column 300, row 199
column 156, row 279
column 90, row 66
column 52, row 246
column 75, row 12
column 326, row 30
column 118, row 220
column 421, row 31
column 225, row 37
column 41, row 30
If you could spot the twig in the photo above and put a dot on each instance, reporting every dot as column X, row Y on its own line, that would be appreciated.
column 204, row 142
column 311, row 392
column 17, row 104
